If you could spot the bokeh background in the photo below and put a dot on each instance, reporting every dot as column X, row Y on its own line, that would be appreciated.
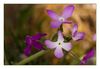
column 23, row 19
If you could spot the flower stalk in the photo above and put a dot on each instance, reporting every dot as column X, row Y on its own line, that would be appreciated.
column 75, row 56
column 32, row 58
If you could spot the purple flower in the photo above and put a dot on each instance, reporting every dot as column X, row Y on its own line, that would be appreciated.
column 94, row 37
column 58, row 45
column 77, row 35
column 88, row 55
column 58, row 20
column 33, row 41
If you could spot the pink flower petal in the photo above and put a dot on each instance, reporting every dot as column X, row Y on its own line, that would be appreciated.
column 67, row 46
column 52, row 14
column 38, row 36
column 68, row 10
column 50, row 44
column 79, row 36
column 94, row 37
column 27, row 51
column 58, row 52
column 74, row 30
column 60, row 36
column 37, row 45
column 55, row 24
column 28, row 40
column 87, row 56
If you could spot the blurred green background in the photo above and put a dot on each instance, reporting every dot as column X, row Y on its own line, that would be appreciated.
column 28, row 19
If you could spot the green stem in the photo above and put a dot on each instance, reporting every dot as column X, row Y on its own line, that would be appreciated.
column 61, row 28
column 31, row 58
column 75, row 56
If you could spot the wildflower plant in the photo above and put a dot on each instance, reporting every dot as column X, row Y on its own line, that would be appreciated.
column 58, row 20
column 87, row 56
column 60, row 44
column 33, row 41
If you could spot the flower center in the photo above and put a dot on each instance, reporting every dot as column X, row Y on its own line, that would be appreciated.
column 61, row 19
column 60, row 44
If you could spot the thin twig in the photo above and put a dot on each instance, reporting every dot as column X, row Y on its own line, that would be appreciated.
column 75, row 56
column 31, row 58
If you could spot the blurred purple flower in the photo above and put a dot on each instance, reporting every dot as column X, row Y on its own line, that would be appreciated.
column 88, row 55
column 58, row 45
column 58, row 20
column 94, row 37
column 33, row 41
column 77, row 35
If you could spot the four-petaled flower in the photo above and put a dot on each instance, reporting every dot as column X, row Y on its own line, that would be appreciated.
column 33, row 41
column 58, row 20
column 77, row 35
column 88, row 55
column 59, row 45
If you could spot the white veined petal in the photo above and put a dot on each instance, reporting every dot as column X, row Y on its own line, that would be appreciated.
column 67, row 46
column 50, row 44
column 58, row 52
column 60, row 36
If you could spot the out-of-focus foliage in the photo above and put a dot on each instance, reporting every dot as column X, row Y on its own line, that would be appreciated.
column 21, row 20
